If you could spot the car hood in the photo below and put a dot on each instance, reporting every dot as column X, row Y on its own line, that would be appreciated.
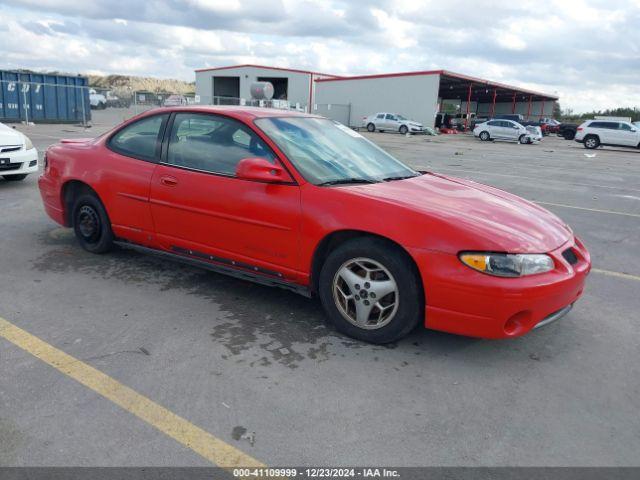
column 494, row 219
column 9, row 136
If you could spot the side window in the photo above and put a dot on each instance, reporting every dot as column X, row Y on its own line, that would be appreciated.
column 213, row 143
column 506, row 123
column 624, row 126
column 380, row 115
column 140, row 139
column 390, row 117
column 494, row 123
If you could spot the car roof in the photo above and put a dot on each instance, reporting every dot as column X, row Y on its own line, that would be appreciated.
column 239, row 112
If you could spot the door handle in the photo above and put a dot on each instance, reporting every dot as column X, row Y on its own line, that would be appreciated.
column 168, row 181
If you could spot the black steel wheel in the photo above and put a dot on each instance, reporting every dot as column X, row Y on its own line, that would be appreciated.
column 91, row 224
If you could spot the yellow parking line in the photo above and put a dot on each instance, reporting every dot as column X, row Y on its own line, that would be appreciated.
column 626, row 276
column 589, row 209
column 176, row 427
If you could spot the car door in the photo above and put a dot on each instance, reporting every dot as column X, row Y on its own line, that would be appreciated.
column 379, row 121
column 390, row 122
column 627, row 135
column 605, row 131
column 132, row 156
column 201, row 208
column 511, row 130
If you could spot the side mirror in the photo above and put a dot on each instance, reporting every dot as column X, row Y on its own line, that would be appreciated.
column 260, row 170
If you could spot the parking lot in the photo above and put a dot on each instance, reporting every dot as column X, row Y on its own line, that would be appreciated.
column 259, row 370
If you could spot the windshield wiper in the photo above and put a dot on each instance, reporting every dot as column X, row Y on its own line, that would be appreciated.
column 341, row 181
column 401, row 177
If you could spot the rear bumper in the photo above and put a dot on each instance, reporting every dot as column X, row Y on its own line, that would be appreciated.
column 462, row 301
column 51, row 199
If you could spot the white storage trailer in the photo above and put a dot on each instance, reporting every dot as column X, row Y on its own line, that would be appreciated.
column 416, row 95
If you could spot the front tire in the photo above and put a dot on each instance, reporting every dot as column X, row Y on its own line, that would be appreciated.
column 403, row 129
column 591, row 142
column 15, row 178
column 91, row 224
column 371, row 128
column 484, row 136
column 522, row 139
column 371, row 291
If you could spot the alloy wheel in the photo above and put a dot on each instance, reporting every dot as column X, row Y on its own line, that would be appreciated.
column 365, row 293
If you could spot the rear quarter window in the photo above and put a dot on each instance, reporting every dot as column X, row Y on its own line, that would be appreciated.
column 140, row 139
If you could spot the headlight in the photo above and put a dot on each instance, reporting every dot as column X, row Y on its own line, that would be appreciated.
column 28, row 144
column 506, row 264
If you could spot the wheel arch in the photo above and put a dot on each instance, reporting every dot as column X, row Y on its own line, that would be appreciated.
column 71, row 189
column 336, row 238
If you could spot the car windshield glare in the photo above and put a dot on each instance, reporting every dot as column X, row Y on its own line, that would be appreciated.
column 326, row 152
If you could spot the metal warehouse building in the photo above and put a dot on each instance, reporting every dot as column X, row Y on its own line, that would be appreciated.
column 231, row 85
column 417, row 95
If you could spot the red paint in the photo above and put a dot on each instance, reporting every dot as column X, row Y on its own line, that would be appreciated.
column 513, row 105
column 542, row 110
column 493, row 103
column 529, row 108
column 310, row 109
column 278, row 226
column 466, row 119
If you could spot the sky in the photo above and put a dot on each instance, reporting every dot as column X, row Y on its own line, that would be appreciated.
column 585, row 51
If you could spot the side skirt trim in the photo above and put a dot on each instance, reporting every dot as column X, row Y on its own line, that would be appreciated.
column 238, row 270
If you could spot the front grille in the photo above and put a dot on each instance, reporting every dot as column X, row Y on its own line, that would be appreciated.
column 10, row 166
column 10, row 149
column 570, row 256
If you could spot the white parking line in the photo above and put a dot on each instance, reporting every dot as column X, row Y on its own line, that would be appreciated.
column 626, row 276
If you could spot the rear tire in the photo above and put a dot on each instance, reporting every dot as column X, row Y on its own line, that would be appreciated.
column 403, row 129
column 347, row 286
column 484, row 136
column 591, row 142
column 371, row 127
column 15, row 178
column 91, row 224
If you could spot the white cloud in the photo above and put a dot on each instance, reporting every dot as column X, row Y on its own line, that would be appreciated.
column 588, row 51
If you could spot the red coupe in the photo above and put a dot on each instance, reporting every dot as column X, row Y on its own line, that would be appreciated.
column 304, row 203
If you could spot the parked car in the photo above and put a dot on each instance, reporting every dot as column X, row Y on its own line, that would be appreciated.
column 97, row 100
column 175, row 101
column 115, row 101
column 502, row 130
column 18, row 156
column 304, row 203
column 461, row 120
column 551, row 125
column 392, row 122
column 567, row 130
column 515, row 117
column 595, row 133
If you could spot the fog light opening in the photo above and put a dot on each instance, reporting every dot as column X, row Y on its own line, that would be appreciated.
column 518, row 323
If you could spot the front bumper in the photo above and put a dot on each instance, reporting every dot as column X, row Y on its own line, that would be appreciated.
column 463, row 301
column 19, row 162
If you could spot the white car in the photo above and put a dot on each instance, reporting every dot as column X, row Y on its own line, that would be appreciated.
column 502, row 130
column 18, row 156
column 97, row 100
column 594, row 133
column 391, row 122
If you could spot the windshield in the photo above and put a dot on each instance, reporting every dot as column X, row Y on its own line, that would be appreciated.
column 325, row 151
column 400, row 117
